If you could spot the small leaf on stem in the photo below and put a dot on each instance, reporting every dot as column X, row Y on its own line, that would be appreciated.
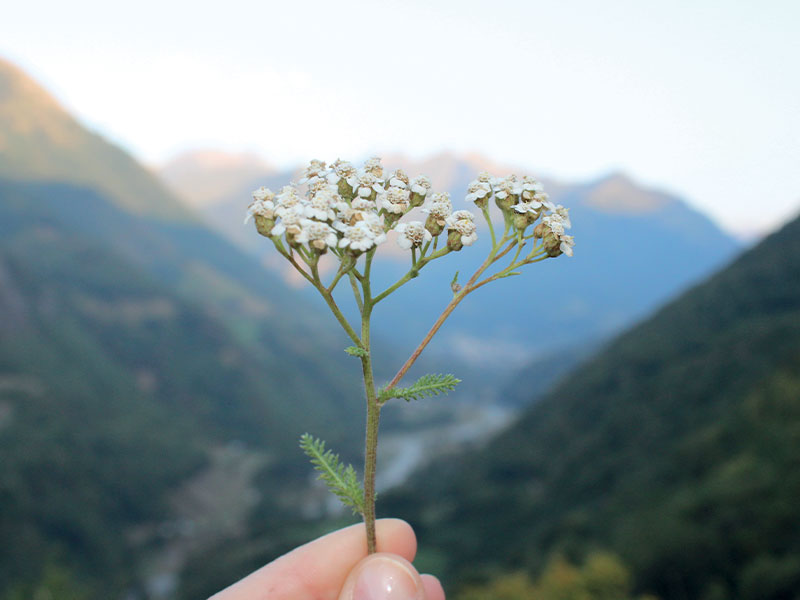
column 356, row 351
column 425, row 386
column 341, row 479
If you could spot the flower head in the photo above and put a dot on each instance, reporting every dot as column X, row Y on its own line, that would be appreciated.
column 368, row 184
column 358, row 237
column 322, row 204
column 462, row 222
column 319, row 236
column 420, row 185
column 412, row 234
column 395, row 200
column 262, row 205
column 479, row 192
column 315, row 170
column 374, row 167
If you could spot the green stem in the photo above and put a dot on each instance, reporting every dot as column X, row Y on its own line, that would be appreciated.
column 411, row 274
column 356, row 291
column 373, row 417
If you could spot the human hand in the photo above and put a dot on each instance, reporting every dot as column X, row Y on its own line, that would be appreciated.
column 336, row 567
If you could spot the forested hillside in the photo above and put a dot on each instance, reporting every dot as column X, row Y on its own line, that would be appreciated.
column 113, row 390
column 677, row 447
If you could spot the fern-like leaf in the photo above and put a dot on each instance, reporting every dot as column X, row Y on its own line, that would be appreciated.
column 425, row 386
column 341, row 479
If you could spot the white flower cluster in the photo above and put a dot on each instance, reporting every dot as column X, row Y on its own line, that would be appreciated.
column 525, row 201
column 351, row 210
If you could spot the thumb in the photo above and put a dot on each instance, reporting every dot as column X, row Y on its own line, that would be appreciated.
column 383, row 576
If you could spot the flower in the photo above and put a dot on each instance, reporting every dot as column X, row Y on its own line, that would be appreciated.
column 398, row 179
column 395, row 200
column 551, row 230
column 262, row 204
column 478, row 191
column 412, row 234
column 373, row 166
column 463, row 222
column 358, row 237
column 290, row 223
column 530, row 187
column 506, row 187
column 314, row 171
column 376, row 227
column 318, row 236
column 367, row 184
column 343, row 170
column 288, row 201
column 564, row 214
column 567, row 244
column 439, row 208
column 555, row 222
column 420, row 185
column 321, row 205
column 348, row 214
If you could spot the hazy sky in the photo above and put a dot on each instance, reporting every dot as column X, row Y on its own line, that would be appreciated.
column 701, row 98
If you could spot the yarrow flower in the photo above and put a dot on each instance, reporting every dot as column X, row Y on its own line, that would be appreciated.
column 358, row 237
column 479, row 191
column 421, row 185
column 394, row 200
column 319, row 236
column 412, row 235
column 345, row 212
column 462, row 223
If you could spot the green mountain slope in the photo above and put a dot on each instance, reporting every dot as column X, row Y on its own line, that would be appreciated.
column 39, row 140
column 678, row 447
column 113, row 387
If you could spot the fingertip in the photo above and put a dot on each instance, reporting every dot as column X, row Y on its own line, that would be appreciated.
column 396, row 536
column 433, row 588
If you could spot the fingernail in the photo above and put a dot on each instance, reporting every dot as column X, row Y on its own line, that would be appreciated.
column 386, row 578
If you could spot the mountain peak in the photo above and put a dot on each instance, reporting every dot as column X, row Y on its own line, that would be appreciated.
column 618, row 193
column 40, row 140
column 202, row 177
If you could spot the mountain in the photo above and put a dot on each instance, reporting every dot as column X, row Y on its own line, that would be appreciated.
column 677, row 447
column 136, row 348
column 624, row 233
column 201, row 178
column 40, row 141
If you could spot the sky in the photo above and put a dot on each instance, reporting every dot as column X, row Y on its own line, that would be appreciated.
column 700, row 98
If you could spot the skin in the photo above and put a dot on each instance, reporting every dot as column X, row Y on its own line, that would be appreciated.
column 318, row 570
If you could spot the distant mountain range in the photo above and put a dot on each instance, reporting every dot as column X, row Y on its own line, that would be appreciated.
column 635, row 248
column 677, row 446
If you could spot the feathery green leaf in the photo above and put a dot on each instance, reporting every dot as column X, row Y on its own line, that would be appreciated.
column 427, row 385
column 341, row 479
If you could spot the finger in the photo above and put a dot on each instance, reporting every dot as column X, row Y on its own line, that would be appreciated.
column 433, row 589
column 317, row 570
column 383, row 576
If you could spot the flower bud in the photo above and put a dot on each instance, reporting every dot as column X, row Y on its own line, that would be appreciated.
column 344, row 189
column 454, row 240
column 552, row 245
column 416, row 200
column 434, row 225
column 540, row 230
column 520, row 222
column 264, row 225
column 505, row 203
